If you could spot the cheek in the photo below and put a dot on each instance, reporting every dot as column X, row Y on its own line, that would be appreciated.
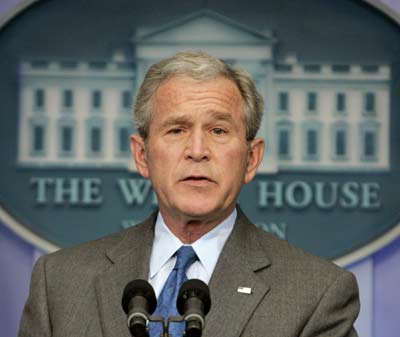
column 163, row 162
column 234, row 163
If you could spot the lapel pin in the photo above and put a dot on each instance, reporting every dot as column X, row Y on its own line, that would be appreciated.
column 244, row 290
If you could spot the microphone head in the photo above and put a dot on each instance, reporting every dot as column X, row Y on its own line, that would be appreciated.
column 194, row 288
column 139, row 288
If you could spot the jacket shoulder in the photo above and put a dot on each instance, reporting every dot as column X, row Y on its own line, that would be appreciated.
column 299, row 271
column 90, row 256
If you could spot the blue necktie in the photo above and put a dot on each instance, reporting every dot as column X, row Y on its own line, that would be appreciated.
column 166, row 305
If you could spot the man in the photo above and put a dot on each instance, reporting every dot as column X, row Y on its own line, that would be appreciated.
column 197, row 119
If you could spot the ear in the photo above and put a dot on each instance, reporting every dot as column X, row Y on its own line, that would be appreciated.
column 139, row 155
column 255, row 156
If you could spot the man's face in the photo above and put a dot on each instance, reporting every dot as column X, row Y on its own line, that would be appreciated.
column 196, row 154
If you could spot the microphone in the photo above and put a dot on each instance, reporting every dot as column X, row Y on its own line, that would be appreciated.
column 138, row 302
column 193, row 304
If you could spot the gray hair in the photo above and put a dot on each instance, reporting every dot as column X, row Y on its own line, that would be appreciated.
column 200, row 67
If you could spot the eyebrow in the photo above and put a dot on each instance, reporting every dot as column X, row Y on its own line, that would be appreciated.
column 224, row 116
column 187, row 120
column 176, row 120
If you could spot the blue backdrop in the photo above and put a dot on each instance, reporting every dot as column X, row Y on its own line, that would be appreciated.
column 378, row 275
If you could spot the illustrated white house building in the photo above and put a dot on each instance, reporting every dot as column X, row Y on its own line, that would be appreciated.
column 317, row 116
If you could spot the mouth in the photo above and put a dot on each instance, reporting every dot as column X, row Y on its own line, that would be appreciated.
column 197, row 180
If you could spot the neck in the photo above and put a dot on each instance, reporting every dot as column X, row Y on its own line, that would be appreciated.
column 190, row 229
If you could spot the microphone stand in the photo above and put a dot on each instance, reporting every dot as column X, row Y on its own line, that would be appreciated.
column 165, row 323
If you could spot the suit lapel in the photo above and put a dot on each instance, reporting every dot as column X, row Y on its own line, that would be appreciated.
column 129, row 260
column 240, row 265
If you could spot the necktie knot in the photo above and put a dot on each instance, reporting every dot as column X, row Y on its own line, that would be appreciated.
column 185, row 256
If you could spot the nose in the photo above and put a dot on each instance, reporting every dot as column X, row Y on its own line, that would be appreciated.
column 197, row 147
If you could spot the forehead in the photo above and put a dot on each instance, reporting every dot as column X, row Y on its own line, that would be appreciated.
column 184, row 94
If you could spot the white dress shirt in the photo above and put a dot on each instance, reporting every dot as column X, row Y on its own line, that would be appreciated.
column 208, row 248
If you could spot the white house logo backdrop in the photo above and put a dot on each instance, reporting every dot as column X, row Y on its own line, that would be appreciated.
column 329, row 74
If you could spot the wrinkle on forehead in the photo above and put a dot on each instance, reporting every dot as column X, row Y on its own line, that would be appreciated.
column 220, row 92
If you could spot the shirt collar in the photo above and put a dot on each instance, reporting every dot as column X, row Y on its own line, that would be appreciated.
column 165, row 244
column 207, row 248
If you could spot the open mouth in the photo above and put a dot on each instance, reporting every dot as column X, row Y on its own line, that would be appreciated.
column 197, row 178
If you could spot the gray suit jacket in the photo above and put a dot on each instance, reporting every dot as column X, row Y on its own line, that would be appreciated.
column 77, row 292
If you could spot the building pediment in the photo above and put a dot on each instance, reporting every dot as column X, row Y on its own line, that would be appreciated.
column 203, row 27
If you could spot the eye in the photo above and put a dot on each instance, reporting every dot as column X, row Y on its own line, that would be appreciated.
column 175, row 131
column 218, row 131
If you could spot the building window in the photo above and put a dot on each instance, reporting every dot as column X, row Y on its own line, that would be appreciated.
column 39, row 99
column 126, row 100
column 67, row 99
column 283, row 143
column 96, row 100
column 369, row 144
column 284, row 139
column 95, row 137
column 283, row 102
column 369, row 103
column 66, row 136
column 66, row 139
column 370, row 141
column 283, row 68
column 95, row 140
column 123, row 140
column 340, row 143
column 122, row 132
column 38, row 139
column 312, row 102
column 341, row 103
column 312, row 143
column 312, row 68
column 312, row 140
column 38, row 135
